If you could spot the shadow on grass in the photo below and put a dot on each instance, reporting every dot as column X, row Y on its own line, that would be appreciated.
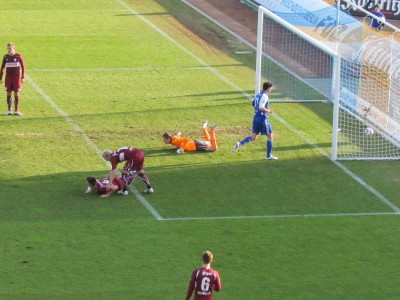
column 61, row 196
column 309, row 186
column 221, row 40
column 237, row 94
column 109, row 115
column 187, row 188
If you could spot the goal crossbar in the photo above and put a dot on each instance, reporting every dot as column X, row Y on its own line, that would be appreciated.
column 339, row 61
column 262, row 55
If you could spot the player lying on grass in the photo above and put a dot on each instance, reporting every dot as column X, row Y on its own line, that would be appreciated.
column 209, row 144
column 104, row 188
column 134, row 162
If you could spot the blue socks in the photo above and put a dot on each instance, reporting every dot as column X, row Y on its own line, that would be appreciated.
column 245, row 140
column 249, row 139
column 269, row 148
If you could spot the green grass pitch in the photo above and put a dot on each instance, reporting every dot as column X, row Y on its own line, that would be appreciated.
column 109, row 73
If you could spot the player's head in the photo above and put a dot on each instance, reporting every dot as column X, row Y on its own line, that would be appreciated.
column 107, row 155
column 91, row 181
column 377, row 8
column 207, row 257
column 11, row 48
column 267, row 86
column 167, row 138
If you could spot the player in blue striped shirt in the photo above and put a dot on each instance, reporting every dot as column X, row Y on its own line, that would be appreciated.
column 260, row 121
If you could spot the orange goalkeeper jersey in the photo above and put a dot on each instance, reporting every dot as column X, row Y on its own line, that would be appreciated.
column 183, row 143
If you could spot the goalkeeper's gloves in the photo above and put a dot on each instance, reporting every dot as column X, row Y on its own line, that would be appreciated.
column 179, row 151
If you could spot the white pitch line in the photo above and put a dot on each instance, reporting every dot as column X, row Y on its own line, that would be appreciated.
column 219, row 24
column 89, row 142
column 218, row 74
column 63, row 10
column 185, row 50
column 341, row 166
column 226, row 80
column 121, row 69
column 282, row 216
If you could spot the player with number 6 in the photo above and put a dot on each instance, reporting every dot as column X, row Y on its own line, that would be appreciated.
column 204, row 280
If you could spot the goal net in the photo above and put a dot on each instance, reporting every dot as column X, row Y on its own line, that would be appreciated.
column 293, row 61
column 341, row 60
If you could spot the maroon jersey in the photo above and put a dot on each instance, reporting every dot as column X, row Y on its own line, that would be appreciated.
column 203, row 282
column 101, row 185
column 14, row 65
column 134, row 158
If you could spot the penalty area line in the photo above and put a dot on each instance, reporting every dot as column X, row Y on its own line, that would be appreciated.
column 121, row 69
column 373, row 191
column 88, row 141
column 347, row 171
column 185, row 50
column 63, row 10
column 281, row 216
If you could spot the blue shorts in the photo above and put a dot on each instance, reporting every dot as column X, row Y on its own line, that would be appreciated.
column 261, row 126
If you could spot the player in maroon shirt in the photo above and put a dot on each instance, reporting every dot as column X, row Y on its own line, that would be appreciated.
column 134, row 159
column 15, row 74
column 204, row 280
column 101, row 186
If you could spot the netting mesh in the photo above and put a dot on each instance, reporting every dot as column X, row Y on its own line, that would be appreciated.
column 302, row 71
column 369, row 98
column 369, row 77
column 369, row 95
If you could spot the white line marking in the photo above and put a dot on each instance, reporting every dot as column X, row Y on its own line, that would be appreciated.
column 89, row 142
column 63, row 10
column 282, row 216
column 222, row 77
column 220, row 25
column 226, row 80
column 122, row 69
column 323, row 152
column 185, row 50
column 340, row 165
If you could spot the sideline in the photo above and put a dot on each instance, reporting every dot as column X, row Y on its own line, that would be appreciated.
column 120, row 69
column 89, row 142
column 283, row 216
column 382, row 198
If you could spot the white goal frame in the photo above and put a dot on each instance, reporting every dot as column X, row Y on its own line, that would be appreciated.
column 349, row 122
column 335, row 68
column 260, row 52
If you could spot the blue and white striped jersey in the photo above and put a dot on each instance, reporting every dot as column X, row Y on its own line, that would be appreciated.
column 261, row 100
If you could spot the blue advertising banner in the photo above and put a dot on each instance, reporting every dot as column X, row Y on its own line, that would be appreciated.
column 390, row 8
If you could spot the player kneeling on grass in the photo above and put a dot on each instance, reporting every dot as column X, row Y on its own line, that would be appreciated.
column 104, row 188
column 134, row 162
column 209, row 144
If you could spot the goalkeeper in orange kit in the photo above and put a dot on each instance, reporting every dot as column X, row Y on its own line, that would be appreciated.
column 209, row 144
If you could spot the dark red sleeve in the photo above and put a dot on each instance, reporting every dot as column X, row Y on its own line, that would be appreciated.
column 22, row 63
column 217, row 285
column 3, row 65
column 191, row 286
column 114, row 162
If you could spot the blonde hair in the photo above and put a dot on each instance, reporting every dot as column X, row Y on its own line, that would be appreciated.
column 106, row 154
column 12, row 45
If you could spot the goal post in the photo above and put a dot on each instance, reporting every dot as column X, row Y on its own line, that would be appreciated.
column 301, row 66
column 342, row 61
